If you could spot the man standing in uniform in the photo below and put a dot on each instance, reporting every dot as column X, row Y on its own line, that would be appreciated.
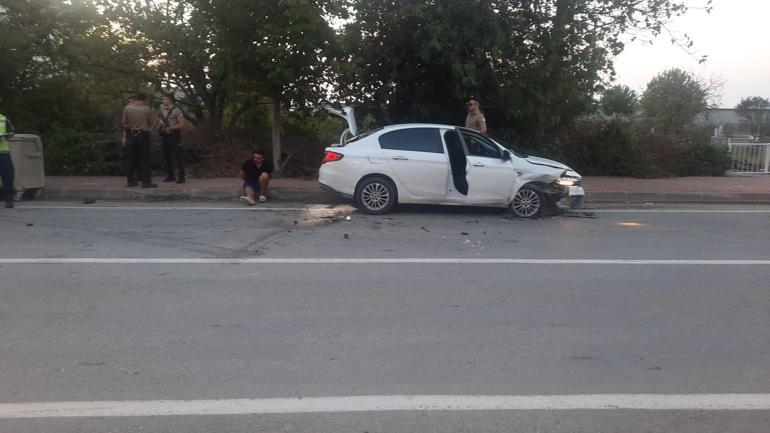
column 6, row 164
column 137, row 121
column 171, row 124
column 475, row 119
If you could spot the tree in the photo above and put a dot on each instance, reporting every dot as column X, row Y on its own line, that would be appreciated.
column 59, row 69
column 176, row 40
column 280, row 48
column 672, row 100
column 619, row 100
column 535, row 64
column 756, row 111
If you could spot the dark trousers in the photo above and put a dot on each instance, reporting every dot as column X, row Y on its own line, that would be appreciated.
column 7, row 174
column 138, row 153
column 173, row 151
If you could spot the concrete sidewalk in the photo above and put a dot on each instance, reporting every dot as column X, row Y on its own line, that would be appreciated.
column 598, row 189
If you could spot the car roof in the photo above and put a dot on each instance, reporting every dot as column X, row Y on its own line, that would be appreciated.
column 418, row 125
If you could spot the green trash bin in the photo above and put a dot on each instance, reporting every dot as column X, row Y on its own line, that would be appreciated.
column 27, row 157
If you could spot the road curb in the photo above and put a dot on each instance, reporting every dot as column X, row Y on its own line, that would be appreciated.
column 279, row 194
column 193, row 194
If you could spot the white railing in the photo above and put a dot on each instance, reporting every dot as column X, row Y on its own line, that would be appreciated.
column 749, row 158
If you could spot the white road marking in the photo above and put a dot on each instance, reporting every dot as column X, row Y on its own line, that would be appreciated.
column 377, row 261
column 692, row 402
column 343, row 207
column 191, row 208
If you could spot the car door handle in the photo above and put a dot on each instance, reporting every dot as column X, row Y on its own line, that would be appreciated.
column 478, row 164
column 400, row 158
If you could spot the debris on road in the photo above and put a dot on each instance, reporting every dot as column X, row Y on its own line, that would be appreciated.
column 425, row 230
column 89, row 200
column 346, row 236
column 580, row 214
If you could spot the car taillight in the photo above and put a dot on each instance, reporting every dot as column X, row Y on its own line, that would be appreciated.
column 332, row 156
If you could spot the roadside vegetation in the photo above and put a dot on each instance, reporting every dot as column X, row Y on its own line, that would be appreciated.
column 253, row 73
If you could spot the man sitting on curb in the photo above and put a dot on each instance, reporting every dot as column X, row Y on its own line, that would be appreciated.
column 256, row 174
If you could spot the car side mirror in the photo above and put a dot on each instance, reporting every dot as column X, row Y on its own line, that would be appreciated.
column 506, row 155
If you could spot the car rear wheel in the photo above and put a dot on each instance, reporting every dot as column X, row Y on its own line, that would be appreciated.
column 528, row 202
column 375, row 195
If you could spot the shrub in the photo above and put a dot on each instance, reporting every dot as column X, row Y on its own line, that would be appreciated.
column 602, row 146
column 69, row 152
column 703, row 159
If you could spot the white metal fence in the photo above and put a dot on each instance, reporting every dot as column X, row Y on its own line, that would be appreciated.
column 749, row 158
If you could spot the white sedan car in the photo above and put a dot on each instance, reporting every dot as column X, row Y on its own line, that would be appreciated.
column 442, row 164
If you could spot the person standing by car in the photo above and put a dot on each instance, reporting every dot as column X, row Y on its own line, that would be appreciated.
column 475, row 119
column 171, row 123
column 256, row 173
column 6, row 163
column 137, row 121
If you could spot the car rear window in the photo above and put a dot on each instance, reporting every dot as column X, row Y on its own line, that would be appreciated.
column 413, row 140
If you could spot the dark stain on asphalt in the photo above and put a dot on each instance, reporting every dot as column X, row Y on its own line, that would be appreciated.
column 89, row 364
column 583, row 358
column 463, row 233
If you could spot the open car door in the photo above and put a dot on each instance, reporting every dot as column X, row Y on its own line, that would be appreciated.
column 490, row 170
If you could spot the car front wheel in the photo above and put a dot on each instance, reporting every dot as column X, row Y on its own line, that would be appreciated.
column 528, row 202
column 375, row 196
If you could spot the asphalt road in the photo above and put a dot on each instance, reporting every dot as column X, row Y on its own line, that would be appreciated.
column 196, row 318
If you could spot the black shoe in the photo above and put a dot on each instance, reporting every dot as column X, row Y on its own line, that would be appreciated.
column 149, row 185
column 181, row 180
column 169, row 179
column 9, row 204
column 131, row 184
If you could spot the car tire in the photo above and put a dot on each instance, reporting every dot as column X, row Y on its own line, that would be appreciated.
column 375, row 195
column 528, row 202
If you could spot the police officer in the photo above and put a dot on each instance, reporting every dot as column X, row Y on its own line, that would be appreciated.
column 138, row 119
column 6, row 164
column 475, row 119
column 171, row 122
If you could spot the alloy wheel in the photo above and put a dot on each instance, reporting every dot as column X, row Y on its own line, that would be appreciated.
column 375, row 196
column 526, row 203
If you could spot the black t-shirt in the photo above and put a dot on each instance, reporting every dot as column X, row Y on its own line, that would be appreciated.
column 253, row 172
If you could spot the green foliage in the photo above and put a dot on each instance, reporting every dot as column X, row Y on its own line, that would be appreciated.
column 69, row 152
column 756, row 111
column 703, row 159
column 600, row 146
column 534, row 65
column 672, row 100
column 619, row 100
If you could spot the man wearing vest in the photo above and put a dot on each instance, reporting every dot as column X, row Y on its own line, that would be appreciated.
column 170, row 124
column 6, row 164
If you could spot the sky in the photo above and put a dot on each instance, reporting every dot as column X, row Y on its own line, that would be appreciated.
column 735, row 37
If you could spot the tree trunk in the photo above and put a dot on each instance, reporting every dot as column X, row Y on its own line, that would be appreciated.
column 276, row 124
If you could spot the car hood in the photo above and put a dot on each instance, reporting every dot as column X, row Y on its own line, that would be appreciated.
column 546, row 162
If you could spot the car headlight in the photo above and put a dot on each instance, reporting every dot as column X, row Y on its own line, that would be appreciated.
column 567, row 180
